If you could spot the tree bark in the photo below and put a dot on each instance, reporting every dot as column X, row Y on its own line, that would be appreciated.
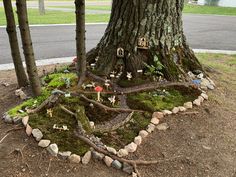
column 28, row 47
column 15, row 51
column 41, row 7
column 80, row 40
column 160, row 22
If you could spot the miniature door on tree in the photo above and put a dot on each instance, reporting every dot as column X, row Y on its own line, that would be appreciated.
column 120, row 52
column 143, row 43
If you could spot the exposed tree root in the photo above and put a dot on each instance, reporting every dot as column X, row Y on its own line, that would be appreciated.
column 106, row 108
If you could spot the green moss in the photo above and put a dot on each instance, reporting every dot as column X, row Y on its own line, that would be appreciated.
column 56, row 80
column 81, row 116
column 133, row 82
column 33, row 102
column 159, row 100
column 66, row 140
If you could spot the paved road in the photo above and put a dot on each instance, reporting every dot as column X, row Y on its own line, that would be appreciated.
column 202, row 31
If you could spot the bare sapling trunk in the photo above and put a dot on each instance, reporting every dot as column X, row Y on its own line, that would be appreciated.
column 80, row 40
column 15, row 51
column 28, row 47
column 41, row 7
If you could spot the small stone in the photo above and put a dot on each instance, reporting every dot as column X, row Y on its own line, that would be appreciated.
column 97, row 155
column 25, row 120
column 122, row 153
column 182, row 108
column 28, row 130
column 127, row 168
column 211, row 81
column 150, row 128
column 143, row 133
column 201, row 99
column 191, row 75
column 211, row 87
column 64, row 155
column 108, row 161
column 162, row 127
column 44, row 143
column 111, row 150
column 175, row 110
column 205, row 96
column 205, row 82
column 166, row 112
column 21, row 94
column 53, row 149
column 155, row 121
column 74, row 158
column 7, row 118
column 86, row 158
column 138, row 140
column 200, row 76
column 5, row 84
column 206, row 147
column 132, row 147
column 134, row 174
column 17, row 120
column 92, row 124
column 116, row 164
column 197, row 102
column 158, row 115
column 37, row 134
column 188, row 105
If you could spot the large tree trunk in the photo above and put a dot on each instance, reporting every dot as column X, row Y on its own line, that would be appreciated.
column 15, row 51
column 41, row 7
column 28, row 47
column 160, row 22
column 80, row 39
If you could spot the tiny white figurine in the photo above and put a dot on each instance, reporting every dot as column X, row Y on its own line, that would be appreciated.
column 83, row 86
column 139, row 71
column 67, row 95
column 112, row 99
column 96, row 59
column 112, row 75
column 64, row 127
column 49, row 112
column 129, row 75
column 93, row 65
column 107, row 84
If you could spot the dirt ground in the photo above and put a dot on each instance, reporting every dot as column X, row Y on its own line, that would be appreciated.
column 199, row 145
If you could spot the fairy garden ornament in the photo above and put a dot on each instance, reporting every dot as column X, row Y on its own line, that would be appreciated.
column 112, row 74
column 120, row 52
column 64, row 127
column 93, row 65
column 112, row 100
column 67, row 95
column 67, row 82
column 107, row 83
column 98, row 89
column 96, row 59
column 129, row 75
column 49, row 112
column 143, row 43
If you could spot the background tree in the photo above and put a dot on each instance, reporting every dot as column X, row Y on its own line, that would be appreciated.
column 28, row 47
column 15, row 51
column 41, row 7
column 157, row 21
column 80, row 40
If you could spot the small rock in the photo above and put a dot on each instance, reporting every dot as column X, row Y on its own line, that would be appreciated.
column 200, row 76
column 132, row 147
column 53, row 149
column 111, row 150
column 116, row 164
column 134, row 174
column 25, row 120
column 86, row 158
column 182, row 108
column 17, row 120
column 206, row 147
column 92, row 124
column 166, row 112
column 143, row 133
column 7, row 118
column 44, row 143
column 191, row 75
column 205, row 82
column 21, row 94
column 188, row 105
column 122, row 153
column 162, row 127
column 175, row 110
column 197, row 102
column 211, row 81
column 155, row 121
column 64, row 155
column 211, row 87
column 98, row 156
column 150, row 128
column 158, row 115
column 127, row 168
column 138, row 140
column 200, row 98
column 5, row 84
column 74, row 158
column 205, row 96
column 37, row 134
column 28, row 130
column 108, row 161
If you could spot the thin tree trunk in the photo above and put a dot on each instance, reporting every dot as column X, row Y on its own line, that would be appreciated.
column 160, row 23
column 41, row 7
column 15, row 51
column 80, row 40
column 28, row 47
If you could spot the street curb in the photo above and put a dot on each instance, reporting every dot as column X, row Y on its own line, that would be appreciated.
column 52, row 61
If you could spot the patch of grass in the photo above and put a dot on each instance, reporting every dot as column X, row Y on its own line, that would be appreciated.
column 197, row 9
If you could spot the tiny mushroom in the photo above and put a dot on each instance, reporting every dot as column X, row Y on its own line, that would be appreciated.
column 107, row 84
column 129, row 75
column 98, row 89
